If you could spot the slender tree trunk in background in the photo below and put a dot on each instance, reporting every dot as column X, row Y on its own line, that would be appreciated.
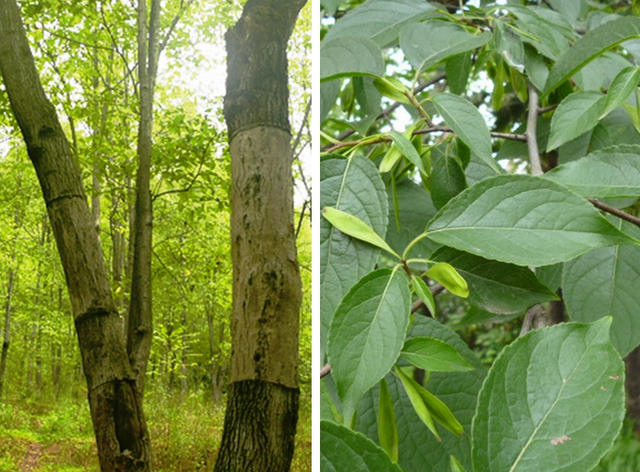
column 119, row 424
column 262, row 408
column 6, row 341
column 140, row 327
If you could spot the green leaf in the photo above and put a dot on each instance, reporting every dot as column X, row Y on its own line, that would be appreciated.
column 424, row 294
column 591, row 45
column 355, row 227
column 577, row 114
column 414, row 207
column 467, row 122
column 345, row 450
column 367, row 95
column 523, row 220
column 419, row 450
column 390, row 159
column 604, row 282
column 553, row 400
column 455, row 465
column 392, row 88
column 413, row 392
column 458, row 68
column 434, row 355
column 328, row 95
column 447, row 177
column 381, row 20
column 449, row 278
column 535, row 67
column 509, row 45
column 441, row 412
column 610, row 172
column 543, row 35
column 387, row 427
column 407, row 149
column 352, row 185
column 495, row 286
column 426, row 44
column 367, row 334
column 349, row 56
column 622, row 86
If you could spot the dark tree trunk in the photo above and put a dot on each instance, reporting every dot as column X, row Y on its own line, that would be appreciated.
column 119, row 423
column 262, row 407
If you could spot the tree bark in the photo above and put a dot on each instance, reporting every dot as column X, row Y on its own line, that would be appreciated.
column 140, row 326
column 118, row 419
column 262, row 407
column 7, row 326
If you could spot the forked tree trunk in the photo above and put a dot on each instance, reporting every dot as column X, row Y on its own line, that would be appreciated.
column 119, row 423
column 262, row 408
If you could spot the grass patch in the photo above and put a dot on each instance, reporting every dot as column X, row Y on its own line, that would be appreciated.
column 185, row 435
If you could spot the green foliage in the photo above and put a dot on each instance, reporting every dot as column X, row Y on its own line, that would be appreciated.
column 442, row 181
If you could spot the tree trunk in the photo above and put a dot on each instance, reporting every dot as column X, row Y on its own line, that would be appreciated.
column 119, row 423
column 7, row 328
column 262, row 408
column 140, row 328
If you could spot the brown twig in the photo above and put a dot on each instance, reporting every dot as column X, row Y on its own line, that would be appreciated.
column 614, row 211
column 391, row 108
column 326, row 370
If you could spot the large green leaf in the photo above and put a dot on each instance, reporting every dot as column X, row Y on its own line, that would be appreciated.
column 355, row 186
column 523, row 220
column 604, row 282
column 419, row 450
column 367, row 333
column 495, row 286
column 345, row 450
column 536, row 30
column 577, row 114
column 467, row 122
column 349, row 56
column 426, row 44
column 381, row 20
column 610, row 172
column 553, row 401
column 591, row 45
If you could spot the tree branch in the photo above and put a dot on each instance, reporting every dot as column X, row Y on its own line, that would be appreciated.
column 614, row 211
column 532, row 131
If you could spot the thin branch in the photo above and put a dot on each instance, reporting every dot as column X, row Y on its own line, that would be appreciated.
column 543, row 110
column 390, row 109
column 614, row 211
column 326, row 370
column 182, row 190
column 432, row 129
column 532, row 131
column 301, row 219
column 174, row 22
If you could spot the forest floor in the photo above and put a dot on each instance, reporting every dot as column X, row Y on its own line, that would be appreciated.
column 185, row 435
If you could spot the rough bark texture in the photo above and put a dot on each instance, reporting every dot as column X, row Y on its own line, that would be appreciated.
column 262, row 408
column 632, row 384
column 261, row 418
column 119, row 424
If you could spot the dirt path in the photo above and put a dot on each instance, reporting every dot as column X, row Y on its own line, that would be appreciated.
column 30, row 461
